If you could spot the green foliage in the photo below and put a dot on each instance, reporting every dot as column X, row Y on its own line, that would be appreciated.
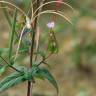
column 47, row 75
column 25, row 74
column 12, row 34
column 10, row 81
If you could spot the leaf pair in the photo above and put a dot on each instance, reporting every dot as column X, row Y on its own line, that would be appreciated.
column 27, row 75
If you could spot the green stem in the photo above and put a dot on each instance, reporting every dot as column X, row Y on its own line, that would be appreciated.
column 12, row 35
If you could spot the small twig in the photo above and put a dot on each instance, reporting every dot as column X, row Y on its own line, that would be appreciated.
column 9, row 64
column 43, row 61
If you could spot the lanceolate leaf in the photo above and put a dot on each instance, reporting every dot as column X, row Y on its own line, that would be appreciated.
column 17, row 78
column 9, row 78
column 27, row 75
column 44, row 73
column 12, row 34
column 10, row 81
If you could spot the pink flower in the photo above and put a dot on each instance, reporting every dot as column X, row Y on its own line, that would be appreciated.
column 51, row 24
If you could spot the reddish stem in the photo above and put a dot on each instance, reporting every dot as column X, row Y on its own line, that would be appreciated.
column 34, row 27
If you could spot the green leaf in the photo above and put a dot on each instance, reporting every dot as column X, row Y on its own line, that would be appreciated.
column 17, row 78
column 11, row 80
column 12, row 34
column 44, row 73
column 25, row 74
column 36, row 74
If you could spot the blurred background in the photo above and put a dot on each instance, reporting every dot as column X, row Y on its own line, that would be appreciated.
column 74, row 67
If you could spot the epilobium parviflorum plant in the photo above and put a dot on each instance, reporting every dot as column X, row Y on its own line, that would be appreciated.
column 25, row 39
